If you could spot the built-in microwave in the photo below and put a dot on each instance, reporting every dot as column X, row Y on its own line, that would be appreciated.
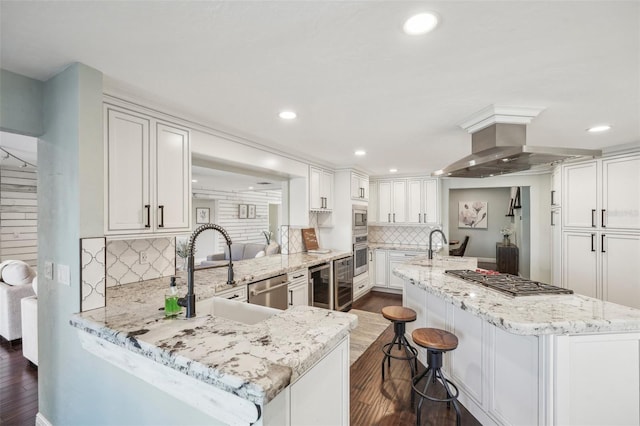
column 359, row 220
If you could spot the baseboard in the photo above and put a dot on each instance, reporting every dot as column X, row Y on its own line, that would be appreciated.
column 41, row 420
column 487, row 259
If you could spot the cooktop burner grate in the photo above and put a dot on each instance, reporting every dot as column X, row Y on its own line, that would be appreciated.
column 512, row 285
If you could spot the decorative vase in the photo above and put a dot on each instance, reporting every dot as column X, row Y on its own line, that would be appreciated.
column 505, row 240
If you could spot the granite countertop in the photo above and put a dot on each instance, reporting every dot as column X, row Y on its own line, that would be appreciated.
column 407, row 247
column 525, row 315
column 255, row 362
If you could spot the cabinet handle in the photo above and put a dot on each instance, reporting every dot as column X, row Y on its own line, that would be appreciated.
column 425, row 218
column 389, row 218
column 298, row 276
column 394, row 218
column 370, row 257
column 593, row 218
column 235, row 296
column 362, row 286
column 593, row 242
column 552, row 224
column 602, row 250
column 419, row 218
column 602, row 222
column 161, row 217
column 553, row 201
column 290, row 297
column 148, row 209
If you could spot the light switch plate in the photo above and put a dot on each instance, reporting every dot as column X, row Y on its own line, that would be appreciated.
column 63, row 274
column 144, row 259
column 48, row 270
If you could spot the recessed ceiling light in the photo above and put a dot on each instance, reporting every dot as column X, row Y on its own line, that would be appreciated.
column 598, row 129
column 287, row 115
column 251, row 187
column 421, row 23
column 360, row 152
column 194, row 180
column 393, row 170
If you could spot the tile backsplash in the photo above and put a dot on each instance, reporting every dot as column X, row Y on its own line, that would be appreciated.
column 291, row 240
column 416, row 235
column 123, row 260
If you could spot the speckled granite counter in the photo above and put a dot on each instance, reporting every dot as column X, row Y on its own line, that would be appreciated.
column 527, row 315
column 404, row 247
column 254, row 362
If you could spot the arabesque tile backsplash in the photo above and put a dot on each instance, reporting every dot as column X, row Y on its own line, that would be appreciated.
column 415, row 235
column 123, row 260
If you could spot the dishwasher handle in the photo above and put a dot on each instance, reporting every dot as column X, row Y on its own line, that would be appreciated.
column 270, row 289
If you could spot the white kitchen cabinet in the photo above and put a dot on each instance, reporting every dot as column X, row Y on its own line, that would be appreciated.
column 556, row 248
column 556, row 187
column 380, row 268
column 603, row 265
column 148, row 174
column 397, row 258
column 392, row 201
column 359, row 187
column 373, row 203
column 320, row 189
column 422, row 201
column 238, row 294
column 298, row 287
column 361, row 285
column 602, row 193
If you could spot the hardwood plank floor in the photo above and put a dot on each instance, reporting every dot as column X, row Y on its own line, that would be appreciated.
column 18, row 386
column 374, row 402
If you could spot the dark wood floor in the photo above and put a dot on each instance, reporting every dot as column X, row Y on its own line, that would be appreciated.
column 374, row 402
column 18, row 386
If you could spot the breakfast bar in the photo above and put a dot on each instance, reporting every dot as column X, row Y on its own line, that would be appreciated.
column 531, row 360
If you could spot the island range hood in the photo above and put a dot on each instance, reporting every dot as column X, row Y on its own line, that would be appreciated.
column 499, row 148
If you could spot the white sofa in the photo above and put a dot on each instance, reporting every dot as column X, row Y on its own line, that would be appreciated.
column 30, row 328
column 10, row 307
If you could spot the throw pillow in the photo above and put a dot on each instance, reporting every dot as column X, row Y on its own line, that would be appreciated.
column 259, row 254
column 18, row 273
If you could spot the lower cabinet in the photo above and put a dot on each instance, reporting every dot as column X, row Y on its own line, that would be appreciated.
column 384, row 261
column 239, row 294
column 298, row 287
column 361, row 285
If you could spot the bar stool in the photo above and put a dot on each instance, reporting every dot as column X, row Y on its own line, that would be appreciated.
column 436, row 342
column 399, row 316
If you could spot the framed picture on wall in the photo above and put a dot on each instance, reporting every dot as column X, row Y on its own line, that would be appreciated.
column 251, row 213
column 202, row 215
column 473, row 214
column 242, row 211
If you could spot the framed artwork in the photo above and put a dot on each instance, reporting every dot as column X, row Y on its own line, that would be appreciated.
column 251, row 212
column 242, row 211
column 473, row 214
column 202, row 215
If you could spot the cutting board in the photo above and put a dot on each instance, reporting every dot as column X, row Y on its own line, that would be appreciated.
column 309, row 238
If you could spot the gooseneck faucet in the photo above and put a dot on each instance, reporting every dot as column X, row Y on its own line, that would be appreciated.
column 189, row 301
column 430, row 240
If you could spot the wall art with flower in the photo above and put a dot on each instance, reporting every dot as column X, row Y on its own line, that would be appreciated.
column 473, row 214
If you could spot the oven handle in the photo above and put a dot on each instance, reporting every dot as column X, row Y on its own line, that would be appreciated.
column 270, row 289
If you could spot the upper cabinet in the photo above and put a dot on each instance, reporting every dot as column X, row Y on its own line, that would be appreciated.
column 411, row 201
column 320, row 189
column 148, row 174
column 602, row 193
column 359, row 187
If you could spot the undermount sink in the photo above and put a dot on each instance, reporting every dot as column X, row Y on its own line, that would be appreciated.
column 233, row 310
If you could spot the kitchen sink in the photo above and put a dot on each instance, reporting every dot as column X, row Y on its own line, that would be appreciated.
column 242, row 312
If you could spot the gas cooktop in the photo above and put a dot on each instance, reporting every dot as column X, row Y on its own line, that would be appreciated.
column 512, row 285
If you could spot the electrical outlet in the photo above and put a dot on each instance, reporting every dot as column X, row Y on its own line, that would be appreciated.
column 48, row 270
column 143, row 258
column 64, row 275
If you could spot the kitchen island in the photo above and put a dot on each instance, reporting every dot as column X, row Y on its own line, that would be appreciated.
column 531, row 360
column 239, row 363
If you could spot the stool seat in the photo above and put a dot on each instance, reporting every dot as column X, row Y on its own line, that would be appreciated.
column 434, row 338
column 399, row 313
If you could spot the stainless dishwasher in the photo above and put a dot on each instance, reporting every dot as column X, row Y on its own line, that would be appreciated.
column 271, row 292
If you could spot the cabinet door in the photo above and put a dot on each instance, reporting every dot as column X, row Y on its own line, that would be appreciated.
column 299, row 295
column 315, row 178
column 173, row 178
column 395, row 260
column 621, row 193
column 431, row 204
column 580, row 260
column 326, row 189
column 621, row 268
column 380, row 262
column 414, row 202
column 580, row 195
column 556, row 249
column 556, row 186
column 373, row 203
column 364, row 183
column 129, row 205
column 384, row 202
column 356, row 192
column 399, row 209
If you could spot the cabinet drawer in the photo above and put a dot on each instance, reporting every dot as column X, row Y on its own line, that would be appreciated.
column 238, row 293
column 299, row 277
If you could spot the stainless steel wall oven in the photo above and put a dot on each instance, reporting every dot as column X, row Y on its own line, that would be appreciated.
column 360, row 254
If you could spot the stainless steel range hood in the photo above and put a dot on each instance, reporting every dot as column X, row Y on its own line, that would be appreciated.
column 500, row 149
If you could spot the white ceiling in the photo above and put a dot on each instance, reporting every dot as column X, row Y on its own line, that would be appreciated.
column 355, row 79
